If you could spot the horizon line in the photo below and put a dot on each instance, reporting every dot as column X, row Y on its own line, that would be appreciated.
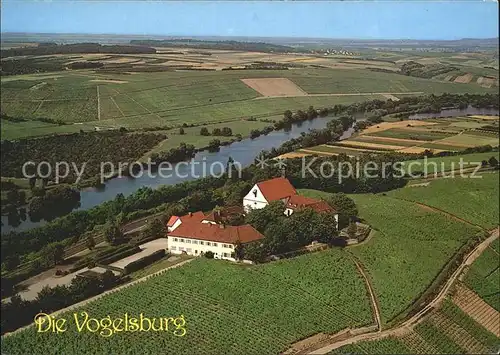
column 243, row 36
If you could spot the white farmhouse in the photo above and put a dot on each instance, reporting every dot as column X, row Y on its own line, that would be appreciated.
column 265, row 192
column 280, row 189
column 196, row 234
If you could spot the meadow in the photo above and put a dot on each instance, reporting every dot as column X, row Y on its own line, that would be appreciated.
column 228, row 308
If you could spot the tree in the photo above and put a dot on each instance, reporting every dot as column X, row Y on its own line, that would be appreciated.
column 181, row 131
column 239, row 252
column 53, row 254
column 113, row 234
column 156, row 228
column 214, row 145
column 255, row 252
column 345, row 207
column 493, row 162
column 204, row 131
column 11, row 262
column 216, row 132
column 287, row 116
column 227, row 132
column 352, row 229
column 90, row 242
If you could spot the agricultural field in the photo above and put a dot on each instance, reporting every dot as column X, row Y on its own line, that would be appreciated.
column 483, row 276
column 447, row 330
column 447, row 163
column 405, row 255
column 227, row 308
column 122, row 94
column 414, row 137
column 472, row 199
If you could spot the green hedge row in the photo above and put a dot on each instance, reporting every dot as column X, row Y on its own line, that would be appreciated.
column 118, row 255
column 145, row 261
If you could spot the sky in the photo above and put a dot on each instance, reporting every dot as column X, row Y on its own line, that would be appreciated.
column 316, row 19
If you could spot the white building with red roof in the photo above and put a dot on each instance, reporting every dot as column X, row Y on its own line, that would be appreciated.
column 195, row 234
column 265, row 192
column 280, row 189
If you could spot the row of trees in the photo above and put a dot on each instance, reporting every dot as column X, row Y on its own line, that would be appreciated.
column 57, row 201
column 224, row 132
column 19, row 312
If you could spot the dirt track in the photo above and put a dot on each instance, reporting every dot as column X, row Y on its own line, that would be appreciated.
column 406, row 326
column 347, row 94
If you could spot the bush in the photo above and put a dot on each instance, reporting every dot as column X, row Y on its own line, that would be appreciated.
column 209, row 255
column 145, row 261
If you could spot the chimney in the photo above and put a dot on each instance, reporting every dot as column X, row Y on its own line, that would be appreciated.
column 221, row 226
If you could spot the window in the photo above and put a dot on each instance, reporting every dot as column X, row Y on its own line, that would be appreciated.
column 214, row 244
column 189, row 250
column 225, row 255
column 227, row 246
column 175, row 239
column 201, row 243
column 181, row 248
column 173, row 248
column 195, row 242
column 188, row 241
column 196, row 251
column 182, row 240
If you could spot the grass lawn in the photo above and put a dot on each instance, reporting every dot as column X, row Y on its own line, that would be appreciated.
column 409, row 249
column 228, row 308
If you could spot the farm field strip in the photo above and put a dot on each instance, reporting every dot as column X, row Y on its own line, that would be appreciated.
column 470, row 303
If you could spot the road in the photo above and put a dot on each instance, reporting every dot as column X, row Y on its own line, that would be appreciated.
column 402, row 328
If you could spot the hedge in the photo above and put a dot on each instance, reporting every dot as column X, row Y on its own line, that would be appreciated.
column 120, row 255
column 142, row 262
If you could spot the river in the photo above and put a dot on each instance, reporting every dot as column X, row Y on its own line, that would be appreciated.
column 243, row 152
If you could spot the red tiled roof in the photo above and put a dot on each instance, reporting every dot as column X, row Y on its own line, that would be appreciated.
column 298, row 201
column 217, row 233
column 195, row 217
column 276, row 189
column 218, row 216
column 172, row 221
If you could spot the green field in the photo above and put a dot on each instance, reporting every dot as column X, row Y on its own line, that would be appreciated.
column 228, row 308
column 410, row 134
column 472, row 199
column 408, row 250
column 448, row 163
column 369, row 139
column 473, row 140
column 335, row 150
column 483, row 276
